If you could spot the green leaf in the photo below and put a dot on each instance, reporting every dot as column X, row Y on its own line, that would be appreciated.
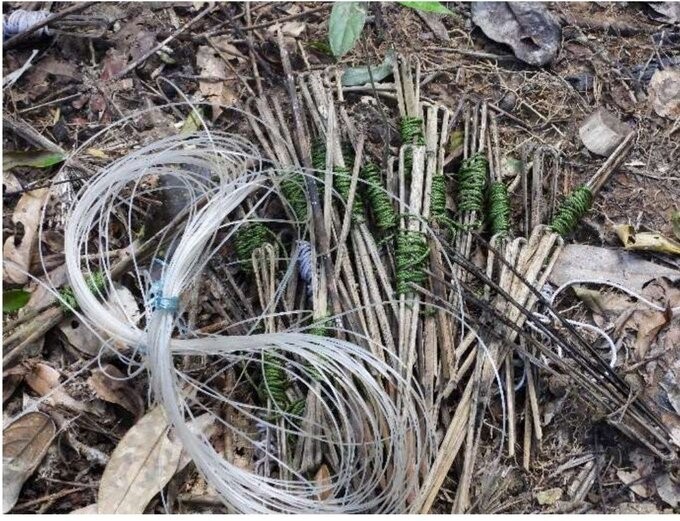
column 35, row 158
column 430, row 7
column 345, row 25
column 361, row 75
column 14, row 299
column 192, row 123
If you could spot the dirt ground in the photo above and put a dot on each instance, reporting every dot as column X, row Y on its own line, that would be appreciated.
column 75, row 88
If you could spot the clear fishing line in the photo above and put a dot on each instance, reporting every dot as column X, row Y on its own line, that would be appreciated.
column 369, row 433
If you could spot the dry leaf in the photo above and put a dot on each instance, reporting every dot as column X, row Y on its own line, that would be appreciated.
column 80, row 336
column 604, row 304
column 664, row 92
column 24, row 444
column 120, row 302
column 212, row 66
column 323, row 479
column 18, row 256
column 222, row 43
column 668, row 489
column 10, row 183
column 123, row 305
column 44, row 380
column 292, row 29
column 640, row 488
column 636, row 508
column 648, row 324
column 580, row 261
column 116, row 390
column 95, row 152
column 645, row 241
column 549, row 497
column 140, row 466
column 11, row 380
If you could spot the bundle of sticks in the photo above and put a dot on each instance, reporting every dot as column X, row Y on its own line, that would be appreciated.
column 458, row 325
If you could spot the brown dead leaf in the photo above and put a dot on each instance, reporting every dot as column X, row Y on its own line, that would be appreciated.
column 231, row 52
column 664, row 93
column 143, row 463
column 672, row 423
column 49, row 73
column 292, row 29
column 110, row 385
column 24, row 444
column 44, row 380
column 114, row 62
column 323, row 479
column 219, row 90
column 603, row 303
column 17, row 252
column 11, row 380
column 123, row 305
column 140, row 466
column 648, row 323
column 636, row 508
column 79, row 336
column 120, row 302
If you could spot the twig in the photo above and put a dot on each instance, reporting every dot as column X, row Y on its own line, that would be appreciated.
column 287, row 18
column 50, row 497
column 19, row 38
column 303, row 147
column 159, row 46
column 251, row 53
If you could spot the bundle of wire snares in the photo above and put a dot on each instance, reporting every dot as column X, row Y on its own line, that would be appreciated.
column 345, row 327
column 372, row 417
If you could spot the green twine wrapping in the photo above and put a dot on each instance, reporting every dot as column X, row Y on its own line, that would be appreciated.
column 318, row 155
column 293, row 191
column 275, row 381
column 471, row 183
column 499, row 209
column 95, row 283
column 297, row 409
column 380, row 203
column 342, row 179
column 439, row 213
column 320, row 327
column 411, row 130
column 573, row 208
column 248, row 238
column 411, row 256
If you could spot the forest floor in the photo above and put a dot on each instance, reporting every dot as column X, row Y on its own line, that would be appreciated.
column 77, row 85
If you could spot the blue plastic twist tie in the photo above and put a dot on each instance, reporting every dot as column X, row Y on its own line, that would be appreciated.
column 167, row 303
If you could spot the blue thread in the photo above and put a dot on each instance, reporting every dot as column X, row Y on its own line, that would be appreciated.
column 167, row 303
column 305, row 264
column 20, row 21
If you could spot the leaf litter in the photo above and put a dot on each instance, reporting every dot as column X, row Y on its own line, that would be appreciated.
column 143, row 27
